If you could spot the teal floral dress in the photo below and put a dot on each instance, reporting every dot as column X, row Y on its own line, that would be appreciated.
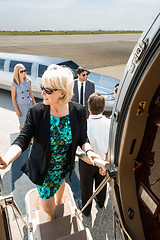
column 59, row 165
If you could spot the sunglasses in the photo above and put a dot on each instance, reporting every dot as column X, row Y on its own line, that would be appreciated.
column 47, row 90
column 22, row 71
column 85, row 74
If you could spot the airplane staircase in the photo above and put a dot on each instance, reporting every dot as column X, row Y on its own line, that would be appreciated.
column 66, row 226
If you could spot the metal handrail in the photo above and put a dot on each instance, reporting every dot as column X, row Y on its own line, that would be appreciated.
column 98, row 162
column 8, row 200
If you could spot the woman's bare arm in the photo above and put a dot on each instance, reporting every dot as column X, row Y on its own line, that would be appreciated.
column 13, row 94
column 13, row 152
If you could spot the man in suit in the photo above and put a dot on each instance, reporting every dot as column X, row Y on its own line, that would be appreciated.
column 83, row 88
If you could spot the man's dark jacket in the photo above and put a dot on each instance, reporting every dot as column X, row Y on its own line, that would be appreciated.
column 89, row 89
column 37, row 125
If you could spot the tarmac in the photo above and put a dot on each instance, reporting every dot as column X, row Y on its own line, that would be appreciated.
column 112, row 71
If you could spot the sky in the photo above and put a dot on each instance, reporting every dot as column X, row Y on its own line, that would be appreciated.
column 77, row 14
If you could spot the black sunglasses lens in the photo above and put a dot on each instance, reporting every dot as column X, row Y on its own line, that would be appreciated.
column 85, row 74
column 22, row 71
column 46, row 90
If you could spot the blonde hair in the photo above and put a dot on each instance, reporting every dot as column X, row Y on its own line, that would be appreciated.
column 16, row 73
column 60, row 77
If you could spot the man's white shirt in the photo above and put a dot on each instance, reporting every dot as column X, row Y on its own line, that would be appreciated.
column 98, row 133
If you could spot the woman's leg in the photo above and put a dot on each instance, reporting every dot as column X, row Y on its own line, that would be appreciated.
column 59, row 193
column 48, row 206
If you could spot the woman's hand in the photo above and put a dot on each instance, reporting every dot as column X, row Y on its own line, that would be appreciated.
column 91, row 155
column 3, row 164
column 18, row 113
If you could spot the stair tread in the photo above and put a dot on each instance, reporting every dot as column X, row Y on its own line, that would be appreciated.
column 81, row 235
column 62, row 210
column 58, row 228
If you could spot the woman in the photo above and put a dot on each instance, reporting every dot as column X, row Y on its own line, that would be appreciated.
column 22, row 96
column 58, row 127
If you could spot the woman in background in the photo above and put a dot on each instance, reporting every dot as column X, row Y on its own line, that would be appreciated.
column 22, row 96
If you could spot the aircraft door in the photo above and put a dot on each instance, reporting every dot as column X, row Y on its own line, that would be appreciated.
column 134, row 141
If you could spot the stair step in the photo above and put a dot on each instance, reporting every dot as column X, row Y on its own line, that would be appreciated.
column 62, row 210
column 81, row 235
column 58, row 228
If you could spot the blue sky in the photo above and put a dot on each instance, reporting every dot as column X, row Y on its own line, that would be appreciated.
column 77, row 14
